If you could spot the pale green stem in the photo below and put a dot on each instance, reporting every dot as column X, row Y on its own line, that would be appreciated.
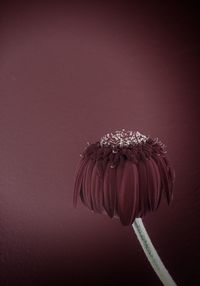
column 151, row 253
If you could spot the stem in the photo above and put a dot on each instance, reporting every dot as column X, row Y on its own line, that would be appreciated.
column 151, row 253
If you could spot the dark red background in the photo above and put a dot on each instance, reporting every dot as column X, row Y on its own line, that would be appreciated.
column 69, row 73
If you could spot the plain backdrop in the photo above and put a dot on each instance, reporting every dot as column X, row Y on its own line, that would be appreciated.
column 69, row 73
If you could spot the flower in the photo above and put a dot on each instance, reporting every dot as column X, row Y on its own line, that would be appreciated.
column 124, row 175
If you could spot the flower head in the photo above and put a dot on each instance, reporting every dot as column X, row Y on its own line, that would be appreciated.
column 124, row 174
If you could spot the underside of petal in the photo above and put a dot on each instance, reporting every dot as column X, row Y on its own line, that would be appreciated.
column 79, row 179
column 109, row 190
column 127, row 192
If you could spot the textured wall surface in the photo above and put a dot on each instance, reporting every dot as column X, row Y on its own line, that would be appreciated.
column 69, row 73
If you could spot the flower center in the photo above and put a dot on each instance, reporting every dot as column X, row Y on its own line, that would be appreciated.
column 122, row 139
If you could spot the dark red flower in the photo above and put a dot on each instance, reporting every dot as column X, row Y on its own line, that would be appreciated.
column 124, row 175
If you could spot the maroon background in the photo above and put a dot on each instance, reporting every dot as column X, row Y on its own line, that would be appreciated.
column 69, row 74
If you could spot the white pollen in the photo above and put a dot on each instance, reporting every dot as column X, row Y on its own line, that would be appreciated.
column 122, row 139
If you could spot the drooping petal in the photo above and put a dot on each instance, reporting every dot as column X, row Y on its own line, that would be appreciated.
column 157, row 178
column 171, row 176
column 151, row 184
column 127, row 192
column 143, row 194
column 109, row 190
column 86, row 190
column 79, row 179
column 97, row 188
column 101, row 168
column 165, row 181
column 136, row 199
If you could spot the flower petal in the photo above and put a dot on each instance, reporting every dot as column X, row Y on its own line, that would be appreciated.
column 79, row 179
column 127, row 192
column 166, row 184
column 157, row 178
column 109, row 190
column 143, row 194
column 151, row 184
column 86, row 187
column 96, row 189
